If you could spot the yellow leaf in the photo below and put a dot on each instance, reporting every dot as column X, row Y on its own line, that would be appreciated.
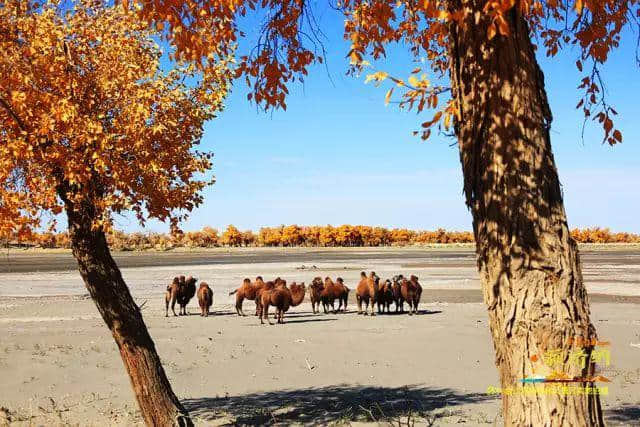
column 387, row 98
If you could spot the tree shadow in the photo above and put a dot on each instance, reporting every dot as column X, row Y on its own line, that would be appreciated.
column 331, row 404
column 624, row 414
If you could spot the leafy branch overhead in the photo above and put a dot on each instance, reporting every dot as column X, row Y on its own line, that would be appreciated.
column 89, row 117
column 289, row 41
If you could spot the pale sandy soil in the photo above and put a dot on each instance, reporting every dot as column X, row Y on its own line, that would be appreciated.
column 59, row 365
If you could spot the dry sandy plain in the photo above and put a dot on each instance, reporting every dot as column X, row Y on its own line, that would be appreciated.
column 59, row 364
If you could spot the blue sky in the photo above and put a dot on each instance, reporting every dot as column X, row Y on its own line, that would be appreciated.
column 339, row 155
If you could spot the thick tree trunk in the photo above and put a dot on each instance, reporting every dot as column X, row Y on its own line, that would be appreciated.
column 528, row 263
column 158, row 404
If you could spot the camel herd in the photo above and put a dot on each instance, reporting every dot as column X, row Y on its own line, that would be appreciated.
column 276, row 293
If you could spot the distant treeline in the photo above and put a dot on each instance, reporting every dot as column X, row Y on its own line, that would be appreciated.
column 294, row 235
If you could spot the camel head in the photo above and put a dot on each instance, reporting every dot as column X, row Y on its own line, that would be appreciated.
column 414, row 278
column 317, row 285
column 181, row 278
column 374, row 277
column 176, row 280
column 191, row 280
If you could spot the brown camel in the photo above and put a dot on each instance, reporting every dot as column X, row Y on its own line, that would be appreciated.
column 297, row 293
column 397, row 293
column 366, row 291
column 171, row 296
column 316, row 288
column 205, row 299
column 343, row 294
column 282, row 298
column 277, row 297
column 180, row 290
column 411, row 292
column 385, row 296
column 277, row 282
column 247, row 290
column 333, row 291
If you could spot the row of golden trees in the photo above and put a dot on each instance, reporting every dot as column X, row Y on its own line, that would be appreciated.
column 310, row 236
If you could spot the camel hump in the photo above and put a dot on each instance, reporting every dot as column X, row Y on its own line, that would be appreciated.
column 363, row 274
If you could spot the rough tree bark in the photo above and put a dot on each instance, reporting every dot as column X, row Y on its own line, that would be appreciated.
column 158, row 404
column 529, row 265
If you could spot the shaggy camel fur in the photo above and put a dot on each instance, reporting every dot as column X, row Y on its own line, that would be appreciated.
column 385, row 297
column 315, row 292
column 411, row 292
column 281, row 298
column 367, row 291
column 397, row 293
column 180, row 290
column 205, row 299
column 248, row 291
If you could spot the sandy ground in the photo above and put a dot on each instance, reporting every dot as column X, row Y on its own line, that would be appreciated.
column 59, row 365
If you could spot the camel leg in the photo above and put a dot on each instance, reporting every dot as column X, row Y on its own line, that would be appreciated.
column 239, row 300
column 372, row 308
column 173, row 306
column 266, row 313
column 333, row 306
column 359, row 301
column 366, row 306
column 166, row 307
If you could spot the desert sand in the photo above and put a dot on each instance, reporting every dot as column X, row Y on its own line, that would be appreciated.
column 60, row 366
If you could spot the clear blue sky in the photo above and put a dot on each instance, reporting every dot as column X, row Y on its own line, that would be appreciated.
column 339, row 155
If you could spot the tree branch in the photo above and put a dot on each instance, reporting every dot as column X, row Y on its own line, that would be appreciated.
column 12, row 114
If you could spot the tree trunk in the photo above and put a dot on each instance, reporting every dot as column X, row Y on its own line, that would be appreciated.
column 158, row 404
column 529, row 265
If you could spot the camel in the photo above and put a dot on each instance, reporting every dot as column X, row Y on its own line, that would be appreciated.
column 282, row 298
column 411, row 292
column 277, row 282
column 385, row 297
column 332, row 291
column 180, row 290
column 297, row 293
column 343, row 295
column 171, row 295
column 316, row 288
column 366, row 291
column 247, row 290
column 205, row 299
column 397, row 293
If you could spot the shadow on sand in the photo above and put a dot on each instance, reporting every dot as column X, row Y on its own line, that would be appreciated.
column 333, row 404
column 625, row 415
